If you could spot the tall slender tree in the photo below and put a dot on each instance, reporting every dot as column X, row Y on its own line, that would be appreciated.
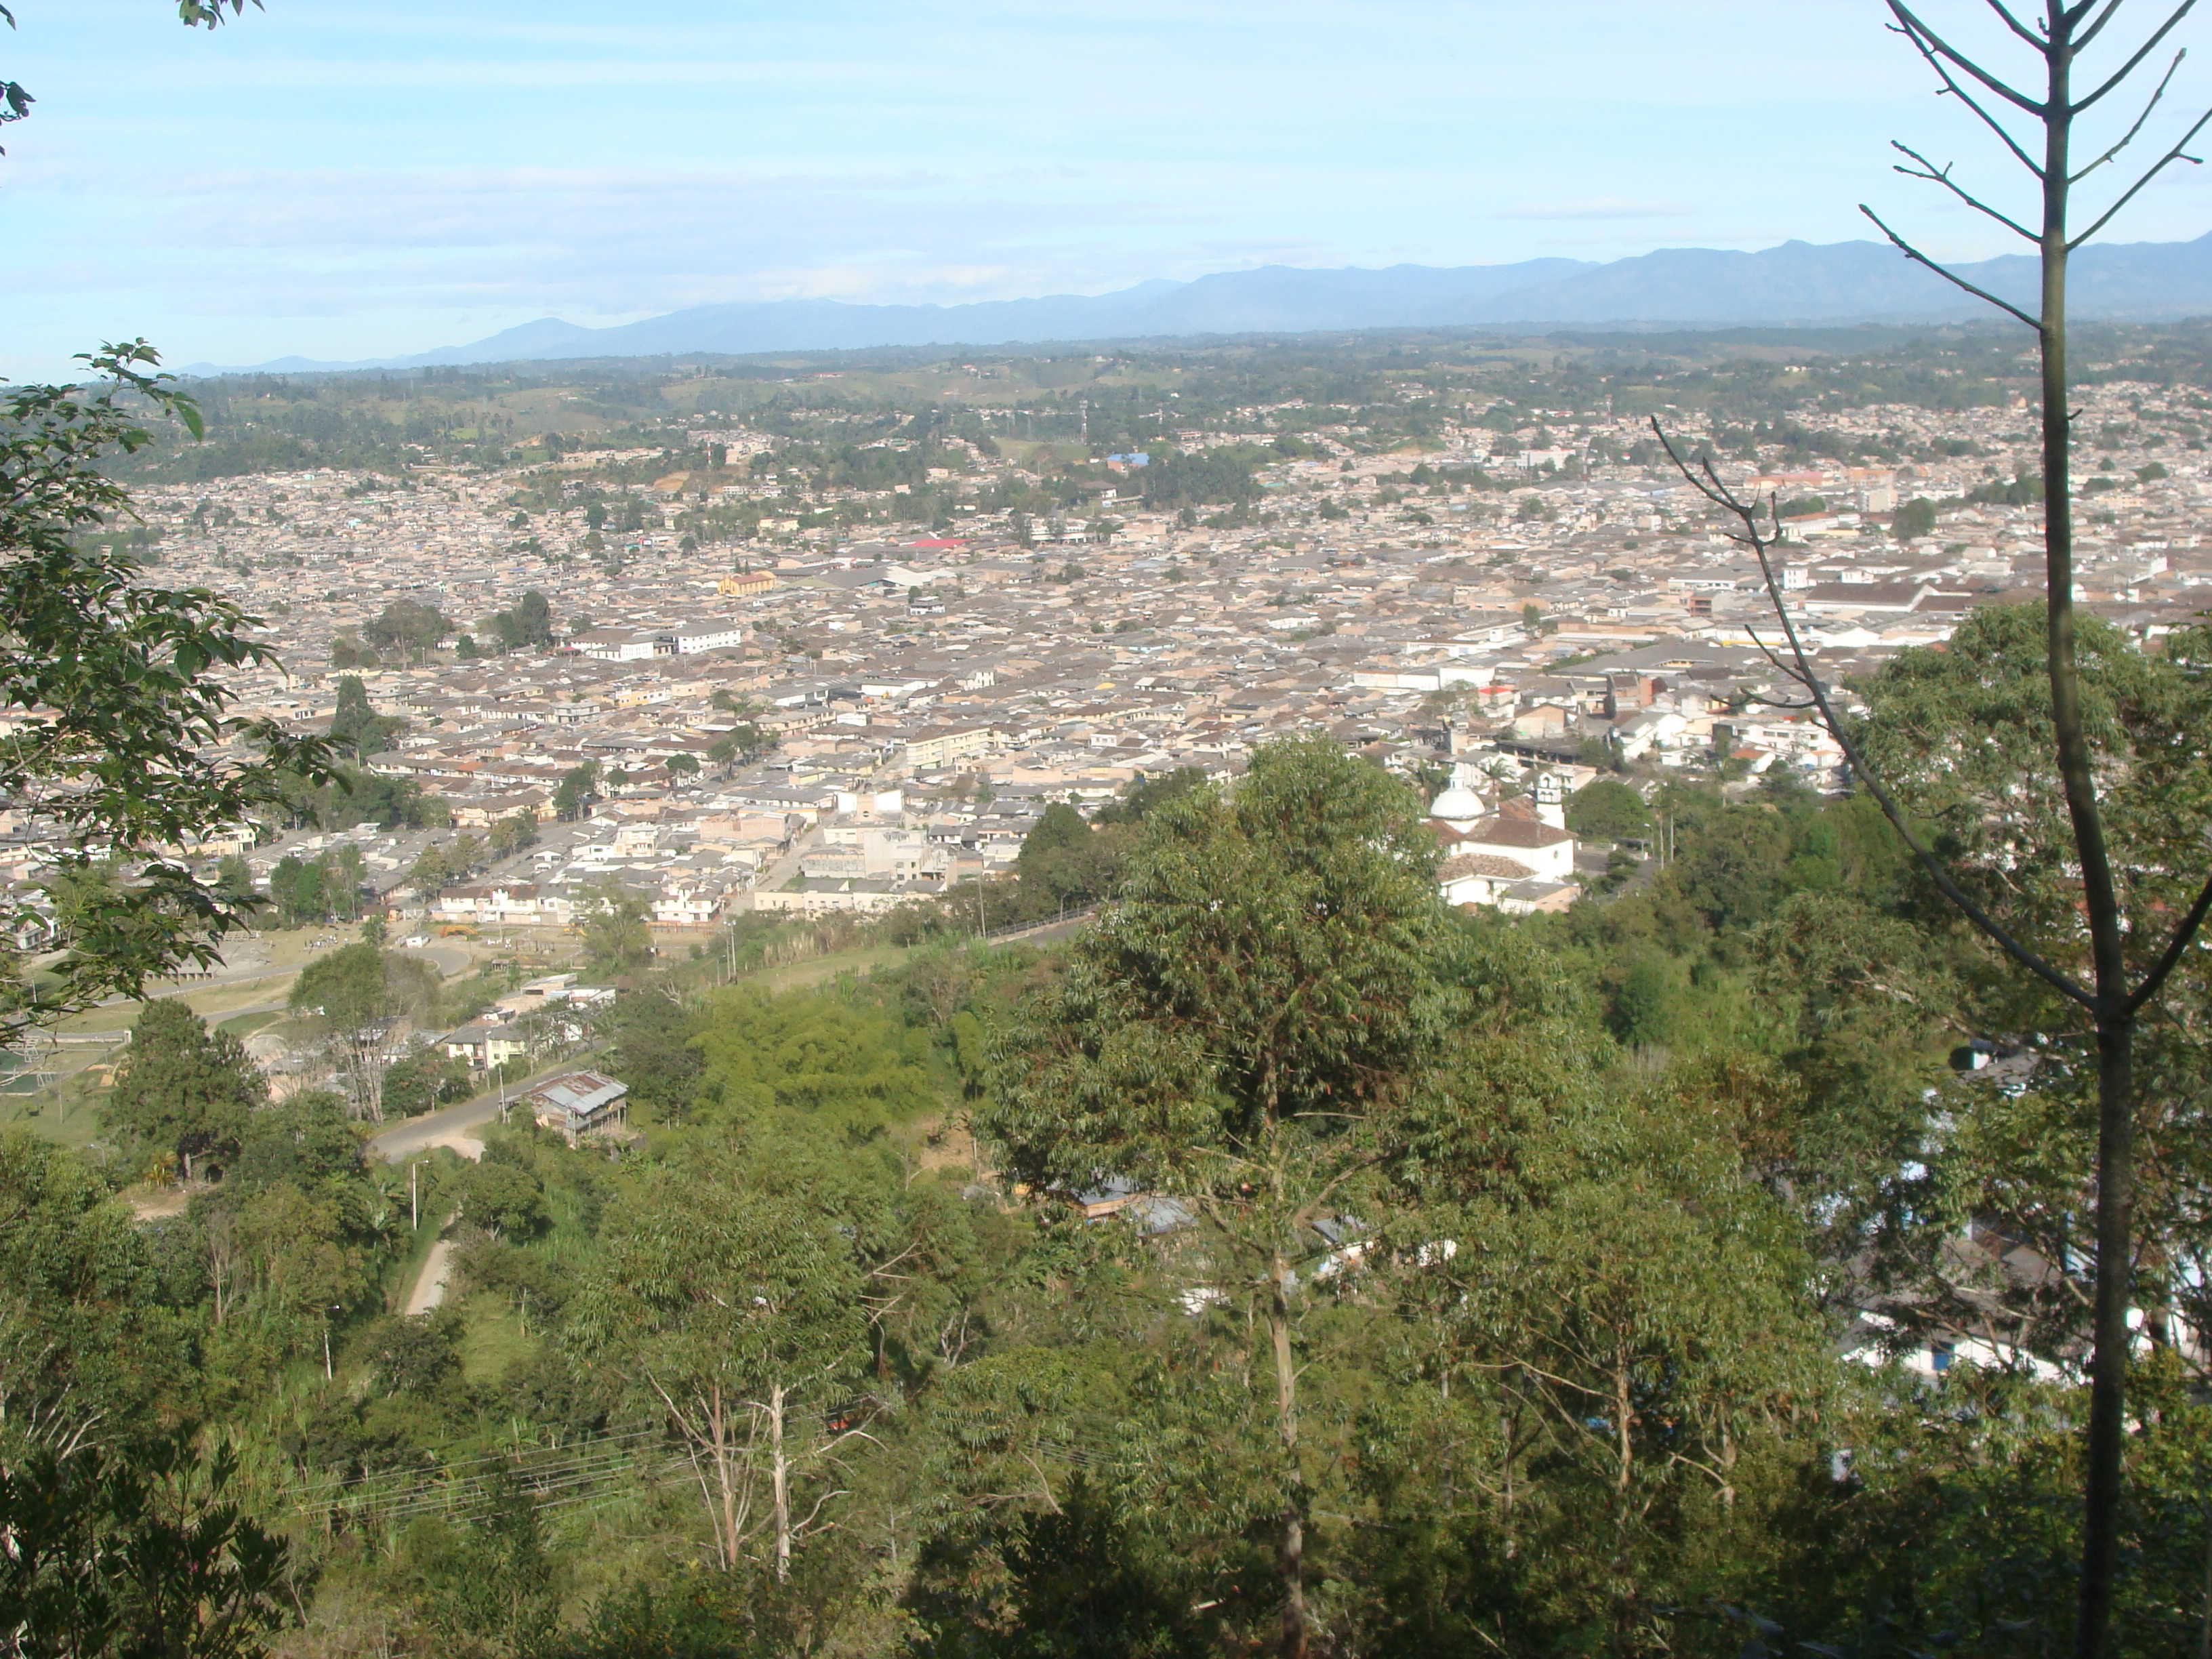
column 2118, row 966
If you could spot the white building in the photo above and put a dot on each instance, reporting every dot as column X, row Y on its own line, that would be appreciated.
column 691, row 638
column 616, row 644
column 1511, row 860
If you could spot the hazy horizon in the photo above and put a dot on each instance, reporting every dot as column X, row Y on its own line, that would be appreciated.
column 328, row 183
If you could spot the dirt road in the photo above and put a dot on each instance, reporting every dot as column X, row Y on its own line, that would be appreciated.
column 429, row 1291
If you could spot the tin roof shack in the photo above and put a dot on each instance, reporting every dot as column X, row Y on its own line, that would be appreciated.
column 578, row 1103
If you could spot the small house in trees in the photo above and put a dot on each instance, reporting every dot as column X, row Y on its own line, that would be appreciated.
column 578, row 1103
column 1151, row 1213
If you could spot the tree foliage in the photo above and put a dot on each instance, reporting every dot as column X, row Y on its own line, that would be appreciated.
column 130, row 744
column 183, row 1092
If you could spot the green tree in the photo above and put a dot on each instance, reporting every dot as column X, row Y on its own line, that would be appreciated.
column 1606, row 809
column 1145, row 795
column 95, row 1340
column 184, row 1092
column 653, row 1051
column 357, row 998
column 1603, row 1272
column 525, row 625
column 1064, row 859
column 616, row 927
column 505, row 1200
column 431, row 870
column 407, row 626
column 739, row 1313
column 135, row 749
column 425, row 1081
column 487, row 1586
column 355, row 727
column 418, row 1354
column 1916, row 519
column 808, row 1062
column 305, row 1140
column 234, row 876
column 1646, row 1003
column 573, row 797
column 1231, row 1032
column 298, row 888
column 511, row 835
column 146, row 1552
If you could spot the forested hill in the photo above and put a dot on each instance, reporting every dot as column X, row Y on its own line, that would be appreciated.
column 1641, row 1279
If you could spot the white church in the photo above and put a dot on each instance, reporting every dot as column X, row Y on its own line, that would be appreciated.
column 1517, row 857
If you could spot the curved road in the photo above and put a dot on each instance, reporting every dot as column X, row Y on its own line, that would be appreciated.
column 458, row 1126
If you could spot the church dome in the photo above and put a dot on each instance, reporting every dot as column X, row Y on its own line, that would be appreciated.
column 1458, row 804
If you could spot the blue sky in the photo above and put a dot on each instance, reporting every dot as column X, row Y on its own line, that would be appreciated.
column 356, row 178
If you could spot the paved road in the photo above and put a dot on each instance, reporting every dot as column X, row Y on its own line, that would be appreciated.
column 458, row 1127
column 448, row 959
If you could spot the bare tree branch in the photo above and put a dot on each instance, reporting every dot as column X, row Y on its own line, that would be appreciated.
column 2157, row 167
column 2141, row 52
column 1935, row 174
column 2015, row 25
column 1930, row 42
column 2191, row 926
column 1707, row 483
column 2129, row 136
column 1989, row 119
column 2076, row 13
column 1919, row 258
column 1780, row 667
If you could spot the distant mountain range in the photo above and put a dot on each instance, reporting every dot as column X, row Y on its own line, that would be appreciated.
column 1797, row 283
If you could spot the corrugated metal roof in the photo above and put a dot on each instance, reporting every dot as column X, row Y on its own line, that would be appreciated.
column 578, row 1094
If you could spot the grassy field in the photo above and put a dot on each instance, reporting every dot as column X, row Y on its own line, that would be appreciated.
column 245, row 1024
column 246, row 997
column 68, row 1113
column 816, row 970
column 491, row 1338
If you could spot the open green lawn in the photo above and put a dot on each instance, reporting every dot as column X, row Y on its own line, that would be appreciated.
column 245, row 1026
column 66, row 1115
